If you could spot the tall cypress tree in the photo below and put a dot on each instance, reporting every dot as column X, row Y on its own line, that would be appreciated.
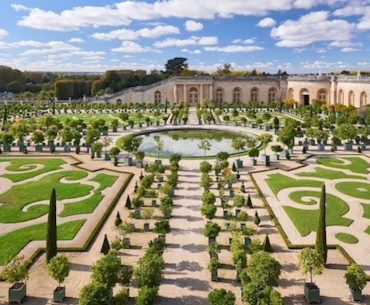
column 321, row 246
column 51, row 238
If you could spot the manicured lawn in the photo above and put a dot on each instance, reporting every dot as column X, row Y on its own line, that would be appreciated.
column 306, row 221
column 366, row 208
column 298, row 197
column 325, row 173
column 278, row 182
column 87, row 117
column 357, row 165
column 346, row 238
column 12, row 243
column 368, row 230
column 88, row 205
column 21, row 195
column 359, row 190
column 19, row 165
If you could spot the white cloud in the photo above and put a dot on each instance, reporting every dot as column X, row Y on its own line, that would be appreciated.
column 311, row 28
column 192, row 41
column 76, row 40
column 133, row 47
column 323, row 65
column 233, row 49
column 348, row 49
column 122, row 13
column 19, row 7
column 3, row 33
column 249, row 41
column 50, row 48
column 357, row 9
column 126, row 34
column 196, row 51
column 193, row 26
column 266, row 23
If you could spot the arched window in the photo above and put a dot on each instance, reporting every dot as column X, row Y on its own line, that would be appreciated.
column 157, row 97
column 237, row 95
column 254, row 94
column 193, row 95
column 272, row 95
column 219, row 95
column 340, row 97
column 321, row 96
column 304, row 96
column 363, row 99
column 351, row 98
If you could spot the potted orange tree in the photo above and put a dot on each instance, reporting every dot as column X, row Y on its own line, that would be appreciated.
column 356, row 281
column 58, row 269
column 16, row 273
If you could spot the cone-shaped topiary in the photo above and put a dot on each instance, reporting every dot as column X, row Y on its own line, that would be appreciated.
column 51, row 238
column 249, row 201
column 118, row 220
column 136, row 187
column 128, row 203
column 256, row 219
column 266, row 246
column 234, row 167
column 141, row 176
column 105, row 247
column 321, row 246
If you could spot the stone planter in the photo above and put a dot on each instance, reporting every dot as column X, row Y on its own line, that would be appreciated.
column 17, row 293
column 139, row 163
column 355, row 294
column 146, row 227
column 239, row 163
column 59, row 294
column 253, row 162
column 237, row 211
column 348, row 146
column 137, row 214
column 311, row 293
column 320, row 147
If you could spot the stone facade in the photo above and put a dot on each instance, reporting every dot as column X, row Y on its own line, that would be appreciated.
column 347, row 90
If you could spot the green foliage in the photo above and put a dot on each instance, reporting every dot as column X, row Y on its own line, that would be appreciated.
column 266, row 246
column 310, row 262
column 58, row 268
column 205, row 167
column 51, row 239
column 148, row 271
column 242, row 216
column 221, row 297
column 263, row 270
column 211, row 230
column 118, row 220
column 93, row 294
column 16, row 270
column 355, row 277
column 208, row 210
column 104, row 271
column 105, row 246
column 249, row 202
column 147, row 295
column 162, row 227
column 122, row 297
column 239, row 201
column 256, row 219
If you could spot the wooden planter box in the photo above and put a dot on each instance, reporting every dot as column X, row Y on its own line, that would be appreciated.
column 253, row 162
column 67, row 148
column 154, row 203
column 7, row 148
column 239, row 163
column 146, row 227
column 139, row 163
column 38, row 148
column 214, row 275
column 348, row 146
column 321, row 147
column 59, row 294
column 266, row 160
column 312, row 293
column 211, row 240
column 247, row 241
column 17, row 293
column 355, row 294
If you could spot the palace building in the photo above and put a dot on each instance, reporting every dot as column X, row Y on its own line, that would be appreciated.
column 332, row 89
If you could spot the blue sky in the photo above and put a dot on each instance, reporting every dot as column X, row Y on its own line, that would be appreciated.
column 299, row 36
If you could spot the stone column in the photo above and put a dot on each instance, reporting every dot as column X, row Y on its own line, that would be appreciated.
column 185, row 95
column 211, row 92
column 201, row 93
column 175, row 93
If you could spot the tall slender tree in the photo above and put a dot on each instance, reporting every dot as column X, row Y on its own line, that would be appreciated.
column 321, row 245
column 51, row 238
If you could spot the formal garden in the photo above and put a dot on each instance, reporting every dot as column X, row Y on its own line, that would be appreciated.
column 26, row 187
column 307, row 164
